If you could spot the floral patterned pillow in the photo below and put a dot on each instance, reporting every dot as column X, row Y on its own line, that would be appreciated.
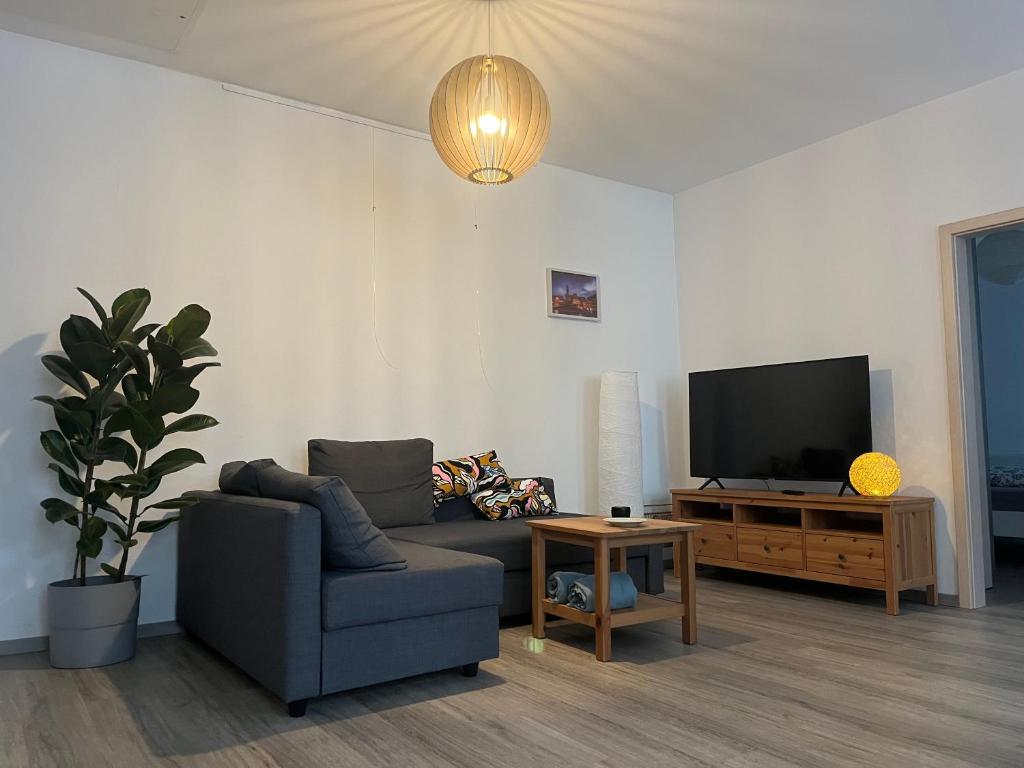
column 523, row 498
column 467, row 475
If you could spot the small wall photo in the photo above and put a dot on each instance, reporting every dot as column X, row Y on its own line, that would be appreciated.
column 573, row 295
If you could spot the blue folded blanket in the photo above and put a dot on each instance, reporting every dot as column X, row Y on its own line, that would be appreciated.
column 559, row 583
column 621, row 588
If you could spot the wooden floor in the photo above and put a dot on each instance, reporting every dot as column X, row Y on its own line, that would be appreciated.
column 785, row 674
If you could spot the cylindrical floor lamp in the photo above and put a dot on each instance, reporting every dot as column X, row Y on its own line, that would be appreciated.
column 619, row 449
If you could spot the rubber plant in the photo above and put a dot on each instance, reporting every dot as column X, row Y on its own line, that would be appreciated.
column 131, row 388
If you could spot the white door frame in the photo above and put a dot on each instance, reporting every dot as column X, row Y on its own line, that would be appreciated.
column 963, row 377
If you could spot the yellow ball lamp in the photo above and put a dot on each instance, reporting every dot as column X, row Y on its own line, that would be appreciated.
column 875, row 474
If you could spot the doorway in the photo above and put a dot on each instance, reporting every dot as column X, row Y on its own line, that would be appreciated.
column 998, row 259
column 967, row 265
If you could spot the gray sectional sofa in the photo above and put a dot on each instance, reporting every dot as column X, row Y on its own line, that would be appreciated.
column 252, row 587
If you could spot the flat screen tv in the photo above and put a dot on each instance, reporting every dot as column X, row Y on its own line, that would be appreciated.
column 794, row 421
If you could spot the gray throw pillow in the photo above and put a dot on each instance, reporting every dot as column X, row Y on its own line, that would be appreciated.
column 351, row 542
column 391, row 478
column 239, row 477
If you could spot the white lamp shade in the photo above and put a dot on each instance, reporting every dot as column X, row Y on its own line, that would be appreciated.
column 619, row 445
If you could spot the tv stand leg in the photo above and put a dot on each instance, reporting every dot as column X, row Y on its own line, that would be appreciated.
column 711, row 480
column 844, row 486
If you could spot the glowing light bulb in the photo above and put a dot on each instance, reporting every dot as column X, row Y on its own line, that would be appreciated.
column 489, row 123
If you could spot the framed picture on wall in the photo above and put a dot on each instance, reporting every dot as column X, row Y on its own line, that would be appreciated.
column 573, row 295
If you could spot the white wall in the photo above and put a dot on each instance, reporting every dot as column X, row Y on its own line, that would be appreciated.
column 833, row 250
column 118, row 174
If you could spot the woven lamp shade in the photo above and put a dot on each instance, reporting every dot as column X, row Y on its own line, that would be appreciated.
column 875, row 474
column 489, row 119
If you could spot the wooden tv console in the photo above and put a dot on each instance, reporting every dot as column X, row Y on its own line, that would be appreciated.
column 886, row 544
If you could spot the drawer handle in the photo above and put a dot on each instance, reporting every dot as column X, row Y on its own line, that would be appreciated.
column 767, row 548
column 841, row 557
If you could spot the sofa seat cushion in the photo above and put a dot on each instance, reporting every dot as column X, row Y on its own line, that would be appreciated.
column 435, row 581
column 504, row 540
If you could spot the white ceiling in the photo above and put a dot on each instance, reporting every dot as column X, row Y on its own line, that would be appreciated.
column 661, row 93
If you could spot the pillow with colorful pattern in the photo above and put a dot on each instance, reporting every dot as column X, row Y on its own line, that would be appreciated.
column 523, row 498
column 467, row 475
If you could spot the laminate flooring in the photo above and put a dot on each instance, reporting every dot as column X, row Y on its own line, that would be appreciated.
column 785, row 674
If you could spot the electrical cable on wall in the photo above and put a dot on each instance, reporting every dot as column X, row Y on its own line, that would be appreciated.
column 479, row 322
column 373, row 248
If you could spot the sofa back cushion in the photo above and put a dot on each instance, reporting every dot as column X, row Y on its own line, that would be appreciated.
column 391, row 478
column 351, row 542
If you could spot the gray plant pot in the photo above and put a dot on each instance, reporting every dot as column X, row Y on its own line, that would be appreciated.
column 94, row 625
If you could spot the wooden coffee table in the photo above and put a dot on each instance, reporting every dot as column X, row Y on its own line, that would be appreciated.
column 609, row 543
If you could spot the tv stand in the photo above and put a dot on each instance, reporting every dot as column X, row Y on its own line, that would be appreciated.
column 711, row 480
column 887, row 544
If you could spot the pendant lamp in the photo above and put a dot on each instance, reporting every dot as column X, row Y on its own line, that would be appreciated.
column 489, row 118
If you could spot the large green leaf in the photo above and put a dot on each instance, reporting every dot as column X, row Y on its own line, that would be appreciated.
column 89, row 547
column 77, row 329
column 141, row 333
column 164, row 354
column 119, row 532
column 58, row 510
column 117, row 449
column 174, row 461
column 139, row 360
column 70, row 484
column 58, row 449
column 181, row 502
column 130, row 296
column 110, row 570
column 120, row 421
column 192, row 423
column 101, row 396
column 187, row 374
column 128, row 310
column 97, row 307
column 92, row 536
column 108, row 488
column 197, row 348
column 95, row 527
column 62, row 411
column 115, row 402
column 134, row 387
column 67, row 372
column 93, row 358
column 190, row 323
column 152, row 526
column 147, row 427
column 173, row 398
column 97, row 499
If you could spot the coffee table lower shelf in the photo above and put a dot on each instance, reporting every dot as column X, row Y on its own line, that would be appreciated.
column 647, row 608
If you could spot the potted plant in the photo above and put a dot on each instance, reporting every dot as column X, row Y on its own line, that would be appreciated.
column 130, row 388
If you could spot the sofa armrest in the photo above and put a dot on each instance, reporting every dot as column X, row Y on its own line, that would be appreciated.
column 249, row 587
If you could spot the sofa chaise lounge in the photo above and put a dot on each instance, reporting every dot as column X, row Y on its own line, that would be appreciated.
column 251, row 585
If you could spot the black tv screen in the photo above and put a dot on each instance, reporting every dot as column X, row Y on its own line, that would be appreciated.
column 795, row 421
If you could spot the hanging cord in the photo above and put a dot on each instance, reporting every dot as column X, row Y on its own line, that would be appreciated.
column 373, row 248
column 490, row 39
column 479, row 312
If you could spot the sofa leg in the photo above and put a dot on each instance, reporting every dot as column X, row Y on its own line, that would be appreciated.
column 297, row 708
column 470, row 670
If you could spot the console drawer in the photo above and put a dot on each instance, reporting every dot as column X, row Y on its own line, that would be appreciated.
column 718, row 541
column 782, row 548
column 854, row 556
